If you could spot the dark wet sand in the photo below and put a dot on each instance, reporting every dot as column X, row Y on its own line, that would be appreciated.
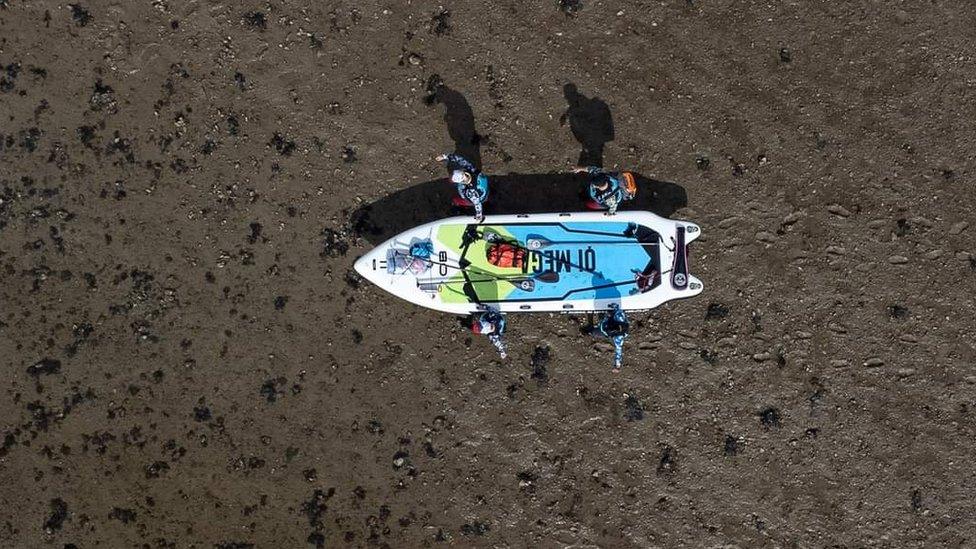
column 190, row 363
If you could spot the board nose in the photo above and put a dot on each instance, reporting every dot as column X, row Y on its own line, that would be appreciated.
column 363, row 266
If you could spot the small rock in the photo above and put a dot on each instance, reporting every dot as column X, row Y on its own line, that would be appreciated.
column 727, row 222
column 762, row 357
column 727, row 342
column 603, row 347
column 837, row 209
column 923, row 221
column 804, row 335
column 873, row 362
column 836, row 250
column 791, row 218
column 908, row 338
column 905, row 372
column 646, row 345
column 877, row 223
column 837, row 328
column 414, row 59
column 970, row 380
column 958, row 227
column 764, row 236
column 897, row 260
column 963, row 256
column 839, row 363
column 932, row 254
column 687, row 345
column 798, row 254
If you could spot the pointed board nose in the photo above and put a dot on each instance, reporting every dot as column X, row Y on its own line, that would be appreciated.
column 364, row 266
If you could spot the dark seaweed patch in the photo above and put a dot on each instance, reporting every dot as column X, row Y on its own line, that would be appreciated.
column 476, row 528
column 731, row 445
column 716, row 310
column 540, row 358
column 45, row 367
column 668, row 463
column 769, row 417
column 125, row 516
column 284, row 146
column 333, row 245
column 59, row 513
column 570, row 7
column 256, row 20
column 81, row 15
column 633, row 409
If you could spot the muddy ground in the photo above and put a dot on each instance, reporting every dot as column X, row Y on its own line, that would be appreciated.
column 189, row 362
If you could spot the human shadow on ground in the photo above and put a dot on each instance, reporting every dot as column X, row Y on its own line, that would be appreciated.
column 514, row 193
column 591, row 123
column 459, row 119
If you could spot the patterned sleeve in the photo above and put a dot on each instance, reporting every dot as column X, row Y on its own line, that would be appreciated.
column 458, row 162
column 496, row 340
column 618, row 350
column 474, row 197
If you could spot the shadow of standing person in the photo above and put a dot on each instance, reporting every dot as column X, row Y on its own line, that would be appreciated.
column 591, row 123
column 460, row 123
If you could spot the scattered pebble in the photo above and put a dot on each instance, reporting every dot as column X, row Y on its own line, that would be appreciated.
column 905, row 372
column 836, row 328
column 958, row 227
column 837, row 209
column 728, row 222
column 874, row 362
column 836, row 250
column 897, row 260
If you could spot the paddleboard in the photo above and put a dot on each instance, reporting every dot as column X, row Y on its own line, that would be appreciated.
column 559, row 262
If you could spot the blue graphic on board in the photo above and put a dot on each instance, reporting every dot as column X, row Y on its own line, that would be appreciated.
column 593, row 260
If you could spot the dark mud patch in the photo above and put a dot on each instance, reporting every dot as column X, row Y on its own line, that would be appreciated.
column 731, row 446
column 80, row 15
column 333, row 244
column 633, row 409
column 45, row 367
column 769, row 418
column 125, row 516
column 540, row 359
column 255, row 20
column 898, row 312
column 59, row 514
column 668, row 462
column 476, row 528
column 271, row 389
column 570, row 7
column 716, row 311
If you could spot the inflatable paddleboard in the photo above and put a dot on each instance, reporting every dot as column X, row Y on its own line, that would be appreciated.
column 565, row 262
